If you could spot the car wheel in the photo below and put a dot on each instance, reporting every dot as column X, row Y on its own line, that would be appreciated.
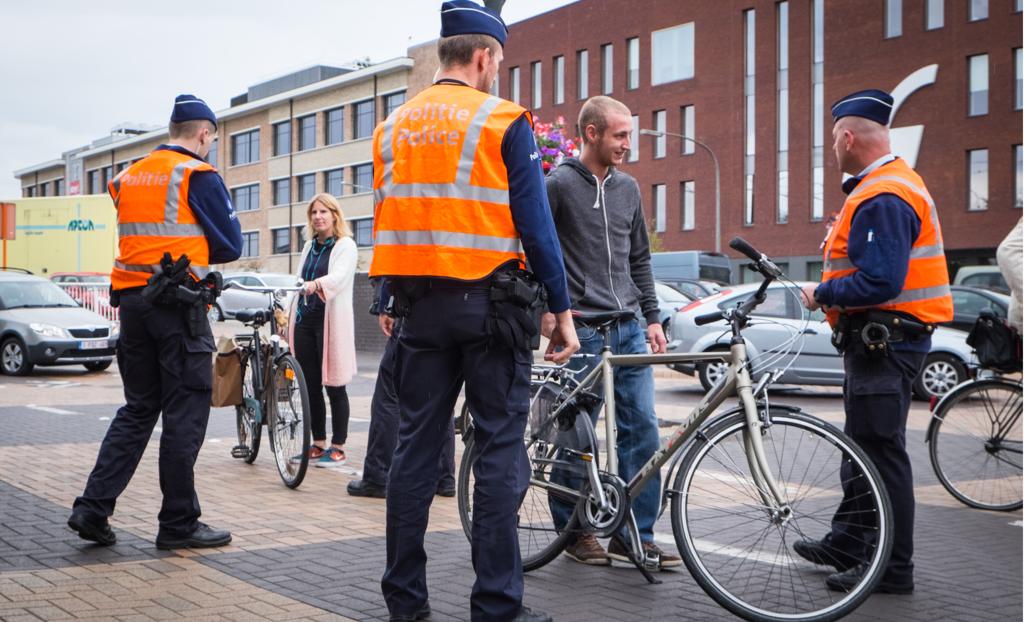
column 666, row 327
column 14, row 358
column 710, row 372
column 941, row 372
column 215, row 314
column 97, row 365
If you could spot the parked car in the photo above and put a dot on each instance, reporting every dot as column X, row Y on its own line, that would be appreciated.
column 693, row 287
column 988, row 277
column 670, row 300
column 41, row 325
column 779, row 318
column 231, row 301
column 970, row 302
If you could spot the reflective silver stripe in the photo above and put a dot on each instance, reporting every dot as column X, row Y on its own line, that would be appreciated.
column 843, row 263
column 174, row 189
column 445, row 191
column 159, row 229
column 921, row 293
column 447, row 238
column 925, row 252
column 471, row 140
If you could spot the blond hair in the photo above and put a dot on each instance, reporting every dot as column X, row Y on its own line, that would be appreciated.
column 341, row 226
column 595, row 112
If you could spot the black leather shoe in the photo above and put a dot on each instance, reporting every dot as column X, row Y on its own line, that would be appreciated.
column 529, row 615
column 446, row 490
column 204, row 537
column 846, row 581
column 819, row 553
column 422, row 614
column 364, row 488
column 100, row 533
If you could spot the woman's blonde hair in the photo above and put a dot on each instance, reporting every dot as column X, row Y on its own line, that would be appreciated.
column 341, row 226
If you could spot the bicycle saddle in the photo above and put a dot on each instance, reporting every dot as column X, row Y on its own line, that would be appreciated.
column 256, row 316
column 601, row 319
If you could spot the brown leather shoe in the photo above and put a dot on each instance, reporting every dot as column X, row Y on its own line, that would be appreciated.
column 587, row 550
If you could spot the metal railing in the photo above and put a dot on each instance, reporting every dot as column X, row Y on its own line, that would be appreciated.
column 92, row 296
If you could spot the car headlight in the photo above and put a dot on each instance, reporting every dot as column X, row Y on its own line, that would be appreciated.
column 49, row 330
column 115, row 329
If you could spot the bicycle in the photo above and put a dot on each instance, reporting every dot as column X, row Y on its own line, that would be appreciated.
column 273, row 393
column 745, row 484
column 974, row 442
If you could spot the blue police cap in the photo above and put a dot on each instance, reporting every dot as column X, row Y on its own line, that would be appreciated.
column 191, row 108
column 871, row 104
column 463, row 17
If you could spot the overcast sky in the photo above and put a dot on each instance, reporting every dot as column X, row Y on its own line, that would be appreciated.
column 72, row 70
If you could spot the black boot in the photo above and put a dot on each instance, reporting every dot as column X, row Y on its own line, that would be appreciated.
column 203, row 537
column 366, row 488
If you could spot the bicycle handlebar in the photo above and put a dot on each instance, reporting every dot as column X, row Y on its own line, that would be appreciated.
column 708, row 318
column 263, row 290
column 762, row 263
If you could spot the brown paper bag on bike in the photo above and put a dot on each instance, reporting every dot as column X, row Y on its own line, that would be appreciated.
column 227, row 375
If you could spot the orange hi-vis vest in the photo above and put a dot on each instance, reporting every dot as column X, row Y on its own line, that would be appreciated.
column 925, row 293
column 153, row 217
column 441, row 201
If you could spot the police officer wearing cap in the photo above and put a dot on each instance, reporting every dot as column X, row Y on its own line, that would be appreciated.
column 460, row 204
column 171, row 201
column 884, row 286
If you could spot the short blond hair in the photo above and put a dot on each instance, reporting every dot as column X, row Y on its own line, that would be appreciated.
column 595, row 112
column 341, row 227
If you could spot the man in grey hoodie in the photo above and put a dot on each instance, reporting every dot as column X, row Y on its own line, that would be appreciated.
column 603, row 234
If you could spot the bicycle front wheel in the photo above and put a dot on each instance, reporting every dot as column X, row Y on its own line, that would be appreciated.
column 975, row 444
column 740, row 549
column 288, row 424
column 248, row 415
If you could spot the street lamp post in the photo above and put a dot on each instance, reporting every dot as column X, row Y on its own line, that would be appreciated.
column 718, row 188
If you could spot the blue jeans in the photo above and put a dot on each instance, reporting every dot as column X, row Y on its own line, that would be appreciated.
column 637, row 434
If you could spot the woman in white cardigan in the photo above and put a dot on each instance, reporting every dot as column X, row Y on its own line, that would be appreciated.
column 321, row 326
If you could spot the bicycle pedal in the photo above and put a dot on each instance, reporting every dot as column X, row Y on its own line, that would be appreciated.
column 240, row 451
column 652, row 562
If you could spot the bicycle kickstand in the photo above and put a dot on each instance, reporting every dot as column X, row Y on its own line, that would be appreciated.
column 636, row 551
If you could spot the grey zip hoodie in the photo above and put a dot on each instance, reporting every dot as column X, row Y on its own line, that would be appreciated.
column 603, row 234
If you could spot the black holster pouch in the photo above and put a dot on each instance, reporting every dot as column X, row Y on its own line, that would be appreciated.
column 517, row 301
column 173, row 286
column 870, row 333
column 404, row 292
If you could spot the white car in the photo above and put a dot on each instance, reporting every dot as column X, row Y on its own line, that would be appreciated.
column 777, row 320
column 231, row 301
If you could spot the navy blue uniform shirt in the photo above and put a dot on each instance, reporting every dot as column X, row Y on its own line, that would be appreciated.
column 210, row 202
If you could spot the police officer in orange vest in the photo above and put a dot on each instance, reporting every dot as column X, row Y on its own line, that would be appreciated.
column 459, row 205
column 884, row 286
column 171, row 201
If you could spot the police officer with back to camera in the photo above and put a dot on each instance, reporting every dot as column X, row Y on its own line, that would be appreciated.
column 174, row 218
column 884, row 287
column 460, row 205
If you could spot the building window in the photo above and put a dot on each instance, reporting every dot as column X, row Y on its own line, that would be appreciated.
column 672, row 54
column 513, row 85
column 281, row 240
column 659, row 141
column 364, row 121
column 688, row 125
column 978, row 10
column 634, row 140
column 392, row 102
column 58, row 187
column 335, row 122
column 282, row 137
column 934, row 14
column 29, row 191
column 558, row 74
column 582, row 74
column 43, row 189
column 658, row 191
column 1018, row 176
column 977, row 101
column 977, row 174
column 1018, row 72
column 306, row 186
column 300, row 236
column 282, row 191
column 749, row 65
column 94, row 181
column 250, row 244
column 307, row 132
column 818, row 110
column 782, row 106
column 1018, row 5
column 245, row 147
column 362, row 177
column 108, row 174
column 334, row 182
column 535, row 84
column 607, row 65
column 633, row 63
column 246, row 198
column 496, row 86
column 893, row 18
column 689, row 201
column 362, row 231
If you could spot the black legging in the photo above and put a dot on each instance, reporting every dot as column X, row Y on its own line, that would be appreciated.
column 309, row 350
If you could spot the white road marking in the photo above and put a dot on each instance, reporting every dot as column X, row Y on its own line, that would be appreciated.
column 708, row 546
column 1017, row 523
column 49, row 409
column 213, row 440
column 104, row 418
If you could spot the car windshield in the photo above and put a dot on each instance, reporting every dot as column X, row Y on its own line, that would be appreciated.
column 33, row 295
column 670, row 294
column 94, row 278
column 279, row 280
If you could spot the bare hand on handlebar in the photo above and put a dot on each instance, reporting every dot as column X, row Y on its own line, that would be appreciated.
column 563, row 335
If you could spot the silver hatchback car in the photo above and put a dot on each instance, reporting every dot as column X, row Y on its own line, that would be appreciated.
column 231, row 301
column 778, row 320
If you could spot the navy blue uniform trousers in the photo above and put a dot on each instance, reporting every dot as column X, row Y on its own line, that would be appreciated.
column 876, row 395
column 164, row 370
column 383, row 435
column 442, row 343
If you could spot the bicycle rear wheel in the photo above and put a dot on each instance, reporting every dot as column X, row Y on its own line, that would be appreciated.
column 288, row 424
column 975, row 444
column 249, row 417
column 740, row 551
